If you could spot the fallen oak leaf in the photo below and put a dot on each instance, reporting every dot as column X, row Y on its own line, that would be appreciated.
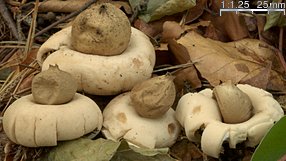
column 218, row 62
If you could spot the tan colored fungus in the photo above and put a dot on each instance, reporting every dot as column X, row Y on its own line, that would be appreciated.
column 235, row 106
column 153, row 97
column 53, row 86
column 101, row 30
column 30, row 124
column 122, row 121
column 200, row 116
column 97, row 74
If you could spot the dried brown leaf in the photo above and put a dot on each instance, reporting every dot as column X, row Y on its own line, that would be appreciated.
column 229, row 25
column 195, row 12
column 61, row 6
column 74, row 5
column 232, row 25
column 185, row 150
column 240, row 61
column 189, row 74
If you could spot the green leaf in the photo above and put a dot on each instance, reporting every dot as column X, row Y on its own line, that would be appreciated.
column 160, row 8
column 130, row 153
column 104, row 150
column 83, row 150
column 149, row 152
column 275, row 19
column 273, row 145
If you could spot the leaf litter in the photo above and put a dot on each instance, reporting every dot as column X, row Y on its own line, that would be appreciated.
column 198, row 36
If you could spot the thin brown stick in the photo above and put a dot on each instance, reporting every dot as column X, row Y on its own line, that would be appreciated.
column 175, row 67
column 32, row 30
column 8, row 18
column 66, row 18
column 281, row 39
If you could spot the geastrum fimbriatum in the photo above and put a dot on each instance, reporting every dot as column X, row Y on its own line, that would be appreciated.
column 101, row 50
column 229, row 113
column 54, row 112
column 144, row 116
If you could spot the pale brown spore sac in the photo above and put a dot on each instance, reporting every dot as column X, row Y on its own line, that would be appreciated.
column 154, row 97
column 101, row 30
column 53, row 87
column 235, row 105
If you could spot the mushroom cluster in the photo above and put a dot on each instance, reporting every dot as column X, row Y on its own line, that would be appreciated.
column 99, row 54
column 101, row 50
column 144, row 116
column 227, row 113
column 53, row 112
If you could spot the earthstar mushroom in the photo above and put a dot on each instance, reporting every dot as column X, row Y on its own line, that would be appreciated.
column 122, row 121
column 66, row 115
column 99, row 51
column 197, row 111
column 96, row 74
column 30, row 124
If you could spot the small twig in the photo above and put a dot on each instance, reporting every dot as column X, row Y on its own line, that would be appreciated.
column 30, row 39
column 30, row 67
column 13, row 86
column 183, row 20
column 13, row 42
column 281, row 39
column 210, row 11
column 175, row 67
column 19, row 28
column 65, row 18
column 8, row 18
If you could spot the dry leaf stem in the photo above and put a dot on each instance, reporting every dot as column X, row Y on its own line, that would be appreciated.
column 174, row 67
column 32, row 29
column 73, row 14
column 281, row 39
